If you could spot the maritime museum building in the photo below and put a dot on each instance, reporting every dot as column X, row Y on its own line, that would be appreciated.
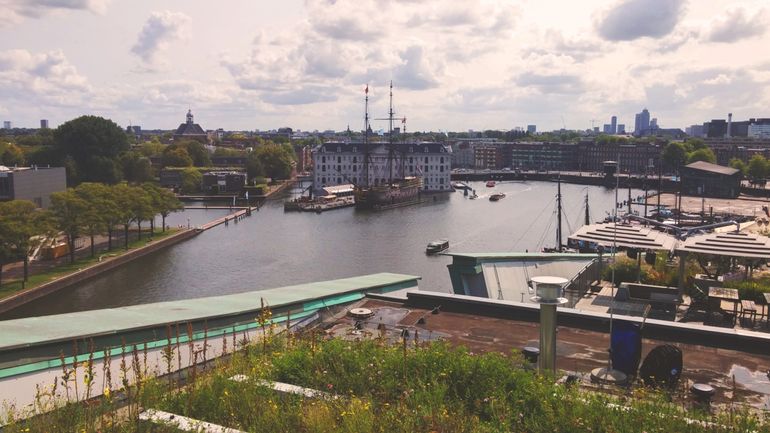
column 343, row 163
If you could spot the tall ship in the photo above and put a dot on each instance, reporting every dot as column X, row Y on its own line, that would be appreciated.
column 397, row 190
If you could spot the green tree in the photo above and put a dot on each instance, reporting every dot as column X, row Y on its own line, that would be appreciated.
column 758, row 167
column 277, row 160
column 94, row 144
column 123, row 194
column 136, row 167
column 70, row 212
column 191, row 180
column 97, row 197
column 163, row 201
column 674, row 155
column 739, row 164
column 152, row 148
column 11, row 154
column 195, row 150
column 702, row 154
column 176, row 157
column 23, row 228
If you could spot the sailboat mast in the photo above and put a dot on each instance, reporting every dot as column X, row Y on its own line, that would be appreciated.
column 390, row 134
column 402, row 175
column 366, row 137
column 558, row 210
column 588, row 215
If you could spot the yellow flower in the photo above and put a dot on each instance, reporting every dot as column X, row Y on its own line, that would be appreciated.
column 107, row 392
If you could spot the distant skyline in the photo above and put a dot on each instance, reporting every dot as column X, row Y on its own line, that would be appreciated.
column 477, row 64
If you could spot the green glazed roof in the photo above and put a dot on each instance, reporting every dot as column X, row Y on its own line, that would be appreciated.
column 67, row 327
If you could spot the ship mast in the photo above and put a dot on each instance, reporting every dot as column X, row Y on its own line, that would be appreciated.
column 366, row 138
column 588, row 217
column 403, row 149
column 390, row 134
column 558, row 210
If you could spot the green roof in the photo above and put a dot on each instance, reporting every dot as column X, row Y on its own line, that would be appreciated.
column 84, row 324
column 514, row 256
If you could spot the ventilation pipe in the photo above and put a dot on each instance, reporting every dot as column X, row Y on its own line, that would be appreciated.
column 548, row 293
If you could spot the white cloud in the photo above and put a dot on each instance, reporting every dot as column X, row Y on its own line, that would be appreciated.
column 737, row 24
column 633, row 19
column 14, row 11
column 158, row 32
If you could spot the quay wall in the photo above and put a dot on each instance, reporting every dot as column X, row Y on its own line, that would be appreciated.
column 609, row 182
column 28, row 295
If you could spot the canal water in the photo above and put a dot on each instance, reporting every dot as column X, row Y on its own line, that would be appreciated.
column 273, row 248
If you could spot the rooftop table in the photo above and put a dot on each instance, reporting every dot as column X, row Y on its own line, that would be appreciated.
column 725, row 294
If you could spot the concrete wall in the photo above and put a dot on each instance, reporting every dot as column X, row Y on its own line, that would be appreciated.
column 23, row 297
column 36, row 185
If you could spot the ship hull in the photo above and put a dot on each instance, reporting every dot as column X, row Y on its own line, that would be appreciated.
column 399, row 193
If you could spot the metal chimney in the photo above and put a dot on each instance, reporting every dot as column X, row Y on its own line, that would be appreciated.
column 548, row 292
column 729, row 125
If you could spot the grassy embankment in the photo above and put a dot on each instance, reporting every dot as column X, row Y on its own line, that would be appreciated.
column 406, row 387
column 11, row 287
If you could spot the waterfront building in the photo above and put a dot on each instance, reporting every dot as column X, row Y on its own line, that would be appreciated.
column 704, row 179
column 634, row 157
column 759, row 130
column 31, row 183
column 542, row 155
column 463, row 154
column 338, row 163
column 216, row 182
column 488, row 157
column 191, row 130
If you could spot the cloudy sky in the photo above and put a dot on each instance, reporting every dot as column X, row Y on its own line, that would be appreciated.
column 455, row 65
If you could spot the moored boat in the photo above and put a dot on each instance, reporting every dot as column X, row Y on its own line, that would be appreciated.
column 437, row 246
column 496, row 196
column 491, row 184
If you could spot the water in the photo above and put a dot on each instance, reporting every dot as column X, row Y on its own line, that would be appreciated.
column 273, row 248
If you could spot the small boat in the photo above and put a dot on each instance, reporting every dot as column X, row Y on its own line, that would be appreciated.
column 436, row 247
column 491, row 184
column 496, row 196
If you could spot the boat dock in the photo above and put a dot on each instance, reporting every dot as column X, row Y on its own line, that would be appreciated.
column 233, row 217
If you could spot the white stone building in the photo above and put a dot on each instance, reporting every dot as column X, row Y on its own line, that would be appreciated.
column 342, row 163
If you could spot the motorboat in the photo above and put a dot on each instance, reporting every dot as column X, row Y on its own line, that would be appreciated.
column 491, row 184
column 496, row 196
column 437, row 246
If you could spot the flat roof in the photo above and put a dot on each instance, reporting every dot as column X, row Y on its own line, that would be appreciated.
column 515, row 256
column 712, row 168
column 84, row 324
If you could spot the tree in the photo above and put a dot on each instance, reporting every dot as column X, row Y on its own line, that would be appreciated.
column 277, row 160
column 176, row 157
column 191, row 180
column 70, row 212
column 94, row 144
column 739, row 164
column 198, row 154
column 674, row 155
column 124, row 195
column 152, row 147
column 136, row 168
column 758, row 167
column 254, row 166
column 163, row 201
column 96, row 196
column 22, row 228
column 11, row 154
column 702, row 154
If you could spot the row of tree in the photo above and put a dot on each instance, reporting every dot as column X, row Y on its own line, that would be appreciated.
column 757, row 169
column 90, row 209
column 677, row 154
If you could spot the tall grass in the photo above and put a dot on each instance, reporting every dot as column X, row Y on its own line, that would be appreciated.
column 382, row 387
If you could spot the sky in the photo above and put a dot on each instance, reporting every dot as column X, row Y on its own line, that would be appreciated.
column 455, row 65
